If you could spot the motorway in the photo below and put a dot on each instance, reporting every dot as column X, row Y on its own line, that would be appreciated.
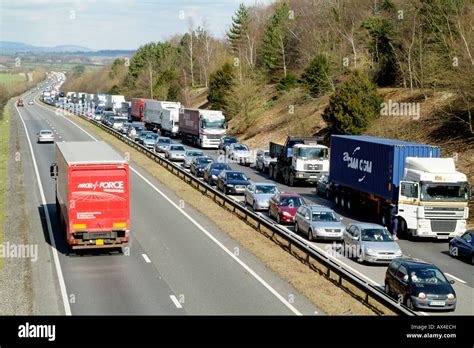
column 179, row 262
column 429, row 250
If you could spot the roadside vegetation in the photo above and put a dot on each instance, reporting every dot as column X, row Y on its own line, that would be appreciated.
column 318, row 68
column 4, row 153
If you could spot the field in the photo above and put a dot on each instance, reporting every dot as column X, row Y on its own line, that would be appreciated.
column 10, row 79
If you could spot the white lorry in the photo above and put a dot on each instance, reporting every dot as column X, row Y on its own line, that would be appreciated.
column 114, row 102
column 170, row 118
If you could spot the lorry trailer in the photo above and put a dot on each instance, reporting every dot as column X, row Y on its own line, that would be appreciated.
column 92, row 194
column 398, row 183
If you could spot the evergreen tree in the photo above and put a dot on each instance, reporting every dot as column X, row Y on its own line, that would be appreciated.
column 353, row 106
column 238, row 28
column 275, row 40
column 220, row 85
column 315, row 76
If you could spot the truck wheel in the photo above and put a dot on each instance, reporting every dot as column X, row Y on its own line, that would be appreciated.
column 349, row 204
column 337, row 199
column 310, row 235
column 270, row 172
column 292, row 180
column 343, row 202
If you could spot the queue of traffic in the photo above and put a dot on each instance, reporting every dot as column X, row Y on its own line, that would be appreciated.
column 405, row 187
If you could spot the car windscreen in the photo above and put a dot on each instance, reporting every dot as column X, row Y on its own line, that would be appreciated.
column 264, row 189
column 194, row 153
column 46, row 132
column 151, row 136
column 220, row 166
column 376, row 235
column 427, row 275
column 290, row 202
column 326, row 216
column 236, row 176
column 177, row 148
column 241, row 147
column 164, row 141
column 203, row 160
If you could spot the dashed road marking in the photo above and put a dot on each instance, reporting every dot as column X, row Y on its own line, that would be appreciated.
column 175, row 301
column 146, row 258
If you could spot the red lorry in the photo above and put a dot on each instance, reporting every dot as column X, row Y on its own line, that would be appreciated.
column 92, row 194
column 136, row 112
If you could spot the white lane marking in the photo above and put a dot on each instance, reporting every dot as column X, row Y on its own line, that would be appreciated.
column 147, row 259
column 175, row 301
column 62, row 284
column 455, row 278
column 218, row 243
column 208, row 234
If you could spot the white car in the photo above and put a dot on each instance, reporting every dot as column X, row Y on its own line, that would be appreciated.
column 31, row 102
column 45, row 136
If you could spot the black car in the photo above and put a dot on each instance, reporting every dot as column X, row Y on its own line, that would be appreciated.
column 198, row 164
column 322, row 186
column 212, row 170
column 463, row 246
column 226, row 141
column 231, row 182
column 419, row 285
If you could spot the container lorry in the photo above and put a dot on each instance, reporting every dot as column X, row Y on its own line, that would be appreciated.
column 203, row 128
column 92, row 194
column 138, row 105
column 399, row 184
column 152, row 114
column 162, row 115
column 100, row 99
column 299, row 159
column 114, row 102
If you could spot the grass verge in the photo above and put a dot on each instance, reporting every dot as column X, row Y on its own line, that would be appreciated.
column 4, row 151
column 309, row 281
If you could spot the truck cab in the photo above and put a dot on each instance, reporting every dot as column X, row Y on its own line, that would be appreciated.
column 433, row 198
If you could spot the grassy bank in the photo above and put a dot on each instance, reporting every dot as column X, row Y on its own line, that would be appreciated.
column 4, row 151
column 10, row 79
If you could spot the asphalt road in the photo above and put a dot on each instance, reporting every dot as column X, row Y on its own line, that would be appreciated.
column 179, row 262
column 429, row 250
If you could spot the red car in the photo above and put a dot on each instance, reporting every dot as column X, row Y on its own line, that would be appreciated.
column 283, row 207
column 19, row 102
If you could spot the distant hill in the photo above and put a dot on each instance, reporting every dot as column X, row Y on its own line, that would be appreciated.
column 11, row 48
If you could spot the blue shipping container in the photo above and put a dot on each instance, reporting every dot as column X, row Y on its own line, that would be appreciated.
column 373, row 165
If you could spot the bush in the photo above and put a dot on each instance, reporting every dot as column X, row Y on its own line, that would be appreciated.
column 315, row 76
column 286, row 83
column 354, row 106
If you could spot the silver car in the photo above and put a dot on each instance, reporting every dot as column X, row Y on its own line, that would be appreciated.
column 162, row 144
column 318, row 222
column 240, row 153
column 190, row 154
column 258, row 195
column 150, row 140
column 45, row 136
column 175, row 152
column 263, row 160
column 370, row 243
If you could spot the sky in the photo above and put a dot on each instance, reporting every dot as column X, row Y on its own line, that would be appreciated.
column 111, row 24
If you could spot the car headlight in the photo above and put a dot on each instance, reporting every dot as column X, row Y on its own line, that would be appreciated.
column 214, row 176
column 320, row 230
column 229, row 185
column 285, row 213
column 421, row 295
column 370, row 251
column 399, row 253
column 451, row 297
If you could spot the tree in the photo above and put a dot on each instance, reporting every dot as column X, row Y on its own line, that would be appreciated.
column 238, row 29
column 381, row 49
column 220, row 85
column 315, row 76
column 274, row 45
column 353, row 106
column 78, row 70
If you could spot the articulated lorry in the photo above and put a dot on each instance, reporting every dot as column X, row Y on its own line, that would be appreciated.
column 397, row 182
column 300, row 159
column 203, row 128
column 114, row 102
column 92, row 194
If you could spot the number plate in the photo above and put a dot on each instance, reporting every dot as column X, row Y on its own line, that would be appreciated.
column 437, row 303
column 99, row 242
